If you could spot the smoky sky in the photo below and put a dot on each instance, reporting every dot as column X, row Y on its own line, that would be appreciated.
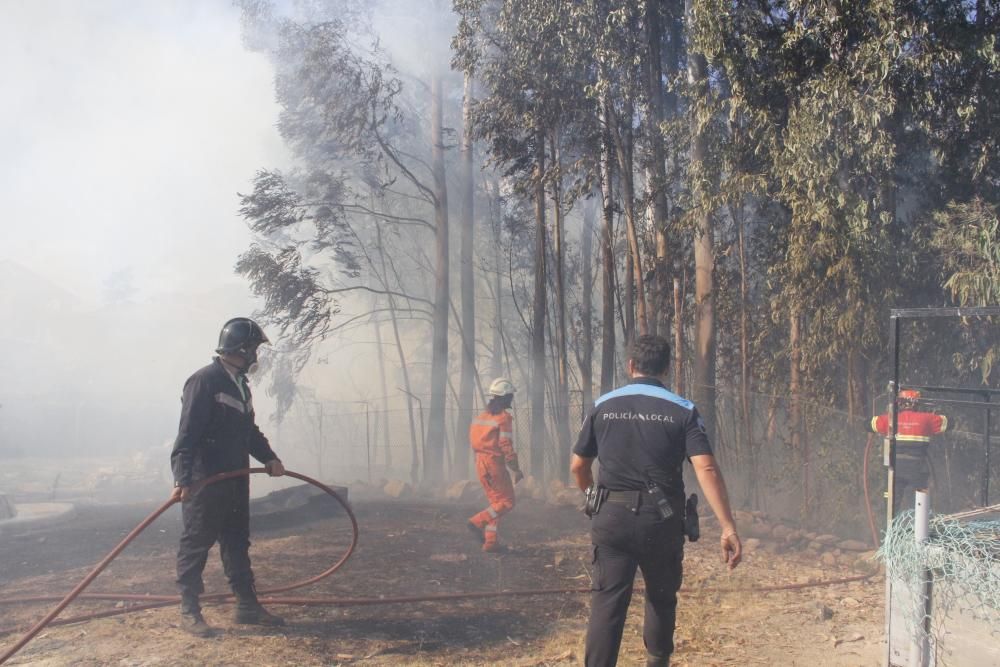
column 126, row 128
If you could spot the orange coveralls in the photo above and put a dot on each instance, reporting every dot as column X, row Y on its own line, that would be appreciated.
column 491, row 439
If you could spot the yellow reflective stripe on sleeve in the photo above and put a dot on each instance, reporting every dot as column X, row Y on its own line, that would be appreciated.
column 875, row 424
column 944, row 424
column 913, row 438
column 485, row 422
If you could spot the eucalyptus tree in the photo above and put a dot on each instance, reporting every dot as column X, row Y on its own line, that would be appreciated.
column 368, row 173
column 522, row 52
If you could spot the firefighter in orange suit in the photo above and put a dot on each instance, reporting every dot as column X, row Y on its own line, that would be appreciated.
column 491, row 436
column 913, row 436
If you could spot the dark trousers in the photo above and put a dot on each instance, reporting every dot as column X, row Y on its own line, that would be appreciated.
column 622, row 541
column 912, row 474
column 219, row 512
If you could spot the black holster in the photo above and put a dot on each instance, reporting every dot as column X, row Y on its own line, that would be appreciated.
column 596, row 495
column 692, row 527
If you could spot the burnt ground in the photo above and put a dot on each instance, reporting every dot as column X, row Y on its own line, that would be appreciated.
column 422, row 547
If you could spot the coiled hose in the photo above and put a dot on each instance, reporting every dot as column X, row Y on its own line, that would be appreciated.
column 165, row 600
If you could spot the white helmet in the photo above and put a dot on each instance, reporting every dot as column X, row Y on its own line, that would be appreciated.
column 501, row 387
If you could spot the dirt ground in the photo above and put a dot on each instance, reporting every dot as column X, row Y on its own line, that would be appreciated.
column 422, row 547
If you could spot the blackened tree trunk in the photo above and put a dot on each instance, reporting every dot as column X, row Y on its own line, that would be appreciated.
column 587, row 307
column 608, row 261
column 678, row 338
column 434, row 465
column 538, row 317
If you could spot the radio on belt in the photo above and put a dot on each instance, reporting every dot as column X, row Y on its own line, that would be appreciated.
column 659, row 499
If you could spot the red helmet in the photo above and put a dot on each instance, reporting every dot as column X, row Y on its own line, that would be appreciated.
column 909, row 394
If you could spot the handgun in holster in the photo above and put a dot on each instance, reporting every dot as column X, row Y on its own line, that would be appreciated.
column 596, row 495
column 692, row 527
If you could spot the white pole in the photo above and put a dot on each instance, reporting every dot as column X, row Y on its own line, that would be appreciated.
column 920, row 640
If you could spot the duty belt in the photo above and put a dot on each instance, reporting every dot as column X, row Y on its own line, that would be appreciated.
column 631, row 499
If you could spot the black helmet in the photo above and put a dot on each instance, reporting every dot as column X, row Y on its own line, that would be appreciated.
column 241, row 336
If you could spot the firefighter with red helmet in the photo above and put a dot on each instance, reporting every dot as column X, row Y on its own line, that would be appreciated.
column 491, row 436
column 914, row 429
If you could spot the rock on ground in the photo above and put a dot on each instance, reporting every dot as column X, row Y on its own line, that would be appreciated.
column 397, row 488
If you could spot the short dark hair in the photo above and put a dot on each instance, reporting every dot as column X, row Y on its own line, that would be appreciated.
column 650, row 354
column 498, row 404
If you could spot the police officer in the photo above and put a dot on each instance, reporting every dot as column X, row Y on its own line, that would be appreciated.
column 641, row 433
column 218, row 433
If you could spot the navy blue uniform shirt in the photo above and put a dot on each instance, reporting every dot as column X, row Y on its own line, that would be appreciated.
column 217, row 429
column 640, row 433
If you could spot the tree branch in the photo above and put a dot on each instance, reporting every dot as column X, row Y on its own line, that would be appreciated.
column 391, row 154
column 389, row 292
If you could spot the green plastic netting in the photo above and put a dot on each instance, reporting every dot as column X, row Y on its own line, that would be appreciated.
column 962, row 561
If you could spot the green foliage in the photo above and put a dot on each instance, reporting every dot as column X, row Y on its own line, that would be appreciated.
column 968, row 239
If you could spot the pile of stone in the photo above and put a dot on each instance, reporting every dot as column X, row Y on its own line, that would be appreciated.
column 564, row 495
column 761, row 533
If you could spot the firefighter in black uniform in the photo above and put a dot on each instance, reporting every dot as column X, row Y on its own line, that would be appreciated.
column 641, row 433
column 218, row 433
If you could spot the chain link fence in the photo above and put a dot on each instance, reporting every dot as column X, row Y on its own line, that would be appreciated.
column 810, row 476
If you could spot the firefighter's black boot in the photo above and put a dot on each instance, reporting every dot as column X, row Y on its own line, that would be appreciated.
column 249, row 611
column 657, row 661
column 192, row 621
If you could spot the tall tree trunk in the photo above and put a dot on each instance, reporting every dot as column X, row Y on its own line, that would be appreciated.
column 629, row 298
column 657, row 171
column 608, row 261
column 468, row 369
column 385, row 397
column 434, row 467
column 497, row 364
column 857, row 393
column 795, row 397
column 404, row 369
column 704, row 251
column 750, row 455
column 678, row 339
column 587, row 307
column 635, row 285
column 538, row 318
column 562, row 384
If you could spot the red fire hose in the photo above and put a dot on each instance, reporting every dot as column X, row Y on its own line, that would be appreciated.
column 864, row 485
column 155, row 601
column 164, row 600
